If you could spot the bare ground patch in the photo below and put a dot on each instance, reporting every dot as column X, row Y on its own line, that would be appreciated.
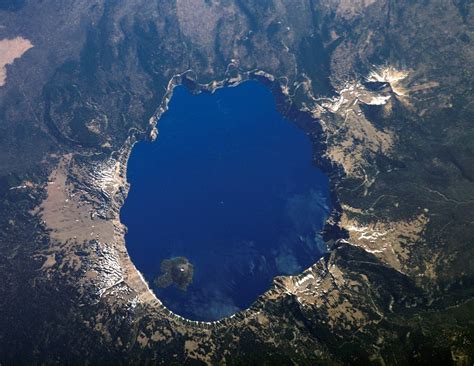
column 10, row 50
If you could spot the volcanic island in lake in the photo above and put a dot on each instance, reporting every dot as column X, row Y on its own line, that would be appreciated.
column 178, row 271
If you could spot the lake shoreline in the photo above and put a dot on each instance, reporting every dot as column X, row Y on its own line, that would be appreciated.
column 284, row 123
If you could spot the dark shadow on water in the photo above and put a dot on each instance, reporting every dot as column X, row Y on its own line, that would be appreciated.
column 230, row 186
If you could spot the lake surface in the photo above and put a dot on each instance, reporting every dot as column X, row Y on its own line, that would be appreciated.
column 229, row 184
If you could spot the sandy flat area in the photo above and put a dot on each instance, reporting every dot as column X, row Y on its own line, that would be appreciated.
column 10, row 50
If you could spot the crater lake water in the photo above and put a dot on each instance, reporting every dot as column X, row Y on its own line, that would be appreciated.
column 230, row 185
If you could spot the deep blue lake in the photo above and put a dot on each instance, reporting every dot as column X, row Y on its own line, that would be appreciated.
column 229, row 184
